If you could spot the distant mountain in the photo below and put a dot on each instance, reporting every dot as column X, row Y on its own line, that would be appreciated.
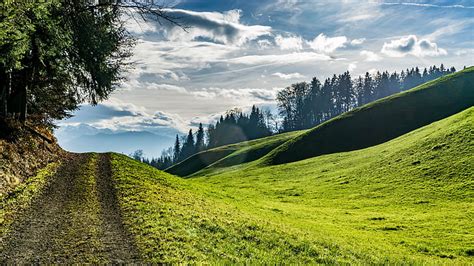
column 66, row 133
column 121, row 142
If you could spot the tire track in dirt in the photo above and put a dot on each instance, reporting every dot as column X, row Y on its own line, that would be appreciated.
column 76, row 219
column 119, row 242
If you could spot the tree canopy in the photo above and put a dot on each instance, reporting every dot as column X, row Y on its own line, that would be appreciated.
column 57, row 54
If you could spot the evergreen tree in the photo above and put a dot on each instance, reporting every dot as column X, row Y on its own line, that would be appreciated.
column 359, row 90
column 188, row 146
column 368, row 89
column 312, row 105
column 200, row 144
column 176, row 150
column 55, row 55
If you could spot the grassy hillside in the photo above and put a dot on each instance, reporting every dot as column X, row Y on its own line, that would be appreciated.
column 230, row 155
column 382, row 120
column 173, row 223
column 409, row 200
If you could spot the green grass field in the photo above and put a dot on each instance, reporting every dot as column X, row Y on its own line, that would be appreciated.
column 409, row 200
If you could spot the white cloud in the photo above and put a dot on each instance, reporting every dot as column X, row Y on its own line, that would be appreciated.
column 446, row 28
column 264, row 44
column 279, row 58
column 351, row 67
column 464, row 52
column 430, row 5
column 167, row 87
column 370, row 56
column 141, row 121
column 239, row 94
column 254, row 95
column 289, row 43
column 295, row 75
column 219, row 27
column 118, row 105
column 324, row 44
column 413, row 46
column 357, row 18
column 372, row 71
column 356, row 42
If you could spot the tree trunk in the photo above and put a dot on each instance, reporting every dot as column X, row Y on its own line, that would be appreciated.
column 31, row 82
column 3, row 97
column 23, row 104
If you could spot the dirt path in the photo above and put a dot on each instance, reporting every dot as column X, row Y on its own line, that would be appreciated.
column 76, row 219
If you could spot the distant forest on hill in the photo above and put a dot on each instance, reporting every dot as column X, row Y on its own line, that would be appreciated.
column 302, row 105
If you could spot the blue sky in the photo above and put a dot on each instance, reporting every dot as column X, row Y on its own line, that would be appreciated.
column 238, row 53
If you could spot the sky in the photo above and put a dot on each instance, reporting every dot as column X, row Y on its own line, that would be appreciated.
column 237, row 53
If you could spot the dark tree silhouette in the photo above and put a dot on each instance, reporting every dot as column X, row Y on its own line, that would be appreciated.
column 200, row 141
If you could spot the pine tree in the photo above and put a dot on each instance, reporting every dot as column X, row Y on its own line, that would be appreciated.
column 367, row 90
column 358, row 89
column 176, row 150
column 200, row 145
column 313, row 104
column 188, row 146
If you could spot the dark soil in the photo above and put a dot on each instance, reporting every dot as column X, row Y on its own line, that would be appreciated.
column 74, row 220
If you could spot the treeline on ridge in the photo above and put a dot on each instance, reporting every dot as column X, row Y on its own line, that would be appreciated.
column 304, row 105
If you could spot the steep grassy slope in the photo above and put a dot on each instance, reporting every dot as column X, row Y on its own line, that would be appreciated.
column 382, row 120
column 174, row 223
column 409, row 200
column 229, row 155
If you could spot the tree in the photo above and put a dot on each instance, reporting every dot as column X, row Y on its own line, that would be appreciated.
column 57, row 54
column 368, row 89
column 291, row 101
column 340, row 94
column 137, row 155
column 200, row 144
column 211, row 136
column 176, row 150
column 189, row 147
column 345, row 96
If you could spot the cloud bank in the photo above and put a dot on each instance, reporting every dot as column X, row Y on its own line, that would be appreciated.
column 219, row 27
column 324, row 44
column 283, row 76
column 411, row 45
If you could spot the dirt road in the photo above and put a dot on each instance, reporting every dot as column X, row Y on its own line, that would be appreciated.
column 76, row 219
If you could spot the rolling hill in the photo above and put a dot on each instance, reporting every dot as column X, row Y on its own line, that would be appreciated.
column 382, row 120
column 229, row 155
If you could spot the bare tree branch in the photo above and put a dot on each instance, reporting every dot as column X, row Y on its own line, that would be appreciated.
column 143, row 8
